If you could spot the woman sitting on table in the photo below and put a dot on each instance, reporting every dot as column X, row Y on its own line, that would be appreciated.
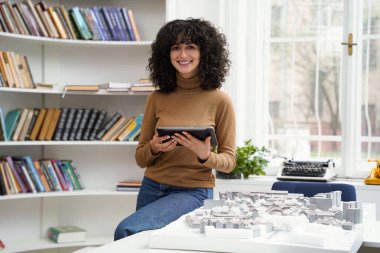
column 188, row 64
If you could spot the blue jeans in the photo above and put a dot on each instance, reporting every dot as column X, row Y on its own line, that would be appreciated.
column 159, row 205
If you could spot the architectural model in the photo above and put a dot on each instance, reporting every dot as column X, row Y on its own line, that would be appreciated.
column 266, row 220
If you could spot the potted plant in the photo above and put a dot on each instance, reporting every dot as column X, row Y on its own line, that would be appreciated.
column 250, row 160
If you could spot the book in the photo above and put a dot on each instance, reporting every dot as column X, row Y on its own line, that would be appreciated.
column 20, row 20
column 62, row 19
column 3, row 131
column 112, row 131
column 57, row 22
column 102, row 23
column 128, row 185
column 40, row 26
column 29, row 20
column 44, row 176
column 36, row 111
column 27, row 177
column 32, row 171
column 4, row 71
column 110, row 23
column 43, row 19
column 14, row 188
column 20, row 124
column 16, row 173
column 12, row 66
column 107, row 126
column 82, row 124
column 132, row 136
column 69, row 170
column 94, row 29
column 46, row 124
column 66, row 234
column 80, row 23
column 98, row 123
column 68, row 21
column 135, row 29
column 48, row 86
column 11, row 122
column 68, row 124
column 76, row 123
column 15, row 18
column 37, row 126
column 61, row 178
column 26, row 125
column 81, row 87
column 127, row 21
column 11, row 26
column 123, row 135
column 6, row 187
column 52, row 173
column 61, row 124
column 53, row 124
column 43, row 8
column 90, row 124
column 122, row 129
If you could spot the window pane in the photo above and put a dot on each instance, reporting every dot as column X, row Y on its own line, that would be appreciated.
column 370, row 150
column 370, row 100
column 308, row 16
column 304, row 74
column 305, row 149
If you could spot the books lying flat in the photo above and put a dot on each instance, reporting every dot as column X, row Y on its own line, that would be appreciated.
column 79, row 87
column 65, row 234
column 128, row 185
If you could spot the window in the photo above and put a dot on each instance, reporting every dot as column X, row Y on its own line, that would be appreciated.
column 306, row 98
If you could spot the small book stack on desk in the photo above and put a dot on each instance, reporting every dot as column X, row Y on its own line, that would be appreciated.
column 128, row 185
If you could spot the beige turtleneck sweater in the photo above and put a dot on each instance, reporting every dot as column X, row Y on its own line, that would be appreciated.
column 189, row 106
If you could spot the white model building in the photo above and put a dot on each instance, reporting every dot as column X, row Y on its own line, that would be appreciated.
column 236, row 210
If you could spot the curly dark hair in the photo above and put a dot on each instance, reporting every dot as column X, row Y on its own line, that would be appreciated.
column 214, row 63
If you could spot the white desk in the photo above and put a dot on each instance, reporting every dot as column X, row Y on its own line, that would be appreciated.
column 139, row 243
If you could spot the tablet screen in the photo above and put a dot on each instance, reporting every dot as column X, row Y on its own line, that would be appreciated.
column 198, row 132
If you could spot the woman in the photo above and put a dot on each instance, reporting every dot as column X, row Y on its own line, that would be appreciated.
column 188, row 64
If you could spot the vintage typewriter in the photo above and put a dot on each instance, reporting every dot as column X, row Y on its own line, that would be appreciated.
column 307, row 170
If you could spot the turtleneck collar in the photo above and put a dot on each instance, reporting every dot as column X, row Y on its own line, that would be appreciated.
column 188, row 83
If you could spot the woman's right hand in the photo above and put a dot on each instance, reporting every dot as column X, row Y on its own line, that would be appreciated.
column 157, row 144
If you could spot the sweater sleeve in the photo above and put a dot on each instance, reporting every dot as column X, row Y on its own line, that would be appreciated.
column 225, row 159
column 144, row 156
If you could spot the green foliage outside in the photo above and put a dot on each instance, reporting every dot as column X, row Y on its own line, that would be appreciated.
column 250, row 159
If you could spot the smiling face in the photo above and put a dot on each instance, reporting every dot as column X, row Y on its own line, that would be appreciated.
column 185, row 59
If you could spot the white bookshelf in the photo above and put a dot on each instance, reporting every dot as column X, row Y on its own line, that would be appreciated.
column 25, row 218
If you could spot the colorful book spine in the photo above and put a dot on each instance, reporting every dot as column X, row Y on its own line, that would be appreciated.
column 16, row 173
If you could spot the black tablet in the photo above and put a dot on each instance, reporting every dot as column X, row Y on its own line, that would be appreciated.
column 198, row 132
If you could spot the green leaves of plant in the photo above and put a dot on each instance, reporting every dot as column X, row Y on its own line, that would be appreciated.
column 250, row 159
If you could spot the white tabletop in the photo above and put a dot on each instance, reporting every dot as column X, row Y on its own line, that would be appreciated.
column 139, row 243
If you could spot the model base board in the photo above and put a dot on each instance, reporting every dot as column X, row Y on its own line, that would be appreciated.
column 240, row 222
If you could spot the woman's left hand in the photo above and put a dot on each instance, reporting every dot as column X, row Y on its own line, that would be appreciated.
column 201, row 148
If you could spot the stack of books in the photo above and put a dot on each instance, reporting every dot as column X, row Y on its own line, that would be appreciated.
column 15, row 71
column 128, row 185
column 143, row 85
column 93, row 23
column 116, row 87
